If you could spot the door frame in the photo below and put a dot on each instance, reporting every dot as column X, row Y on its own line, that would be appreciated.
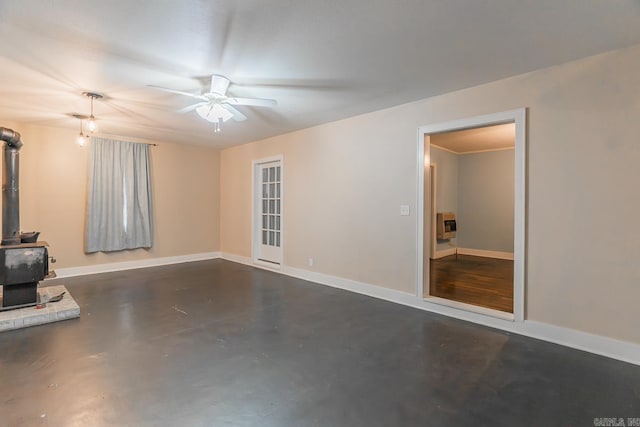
column 256, row 218
column 424, row 208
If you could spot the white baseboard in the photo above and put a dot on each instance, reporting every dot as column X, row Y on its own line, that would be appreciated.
column 130, row 265
column 486, row 254
column 239, row 259
column 604, row 346
column 249, row 261
column 445, row 252
column 598, row 344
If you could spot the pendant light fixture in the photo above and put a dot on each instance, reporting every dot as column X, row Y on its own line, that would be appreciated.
column 92, row 120
column 81, row 140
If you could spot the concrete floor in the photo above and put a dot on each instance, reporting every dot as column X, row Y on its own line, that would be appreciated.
column 215, row 343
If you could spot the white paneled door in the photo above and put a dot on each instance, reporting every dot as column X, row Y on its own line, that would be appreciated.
column 268, row 215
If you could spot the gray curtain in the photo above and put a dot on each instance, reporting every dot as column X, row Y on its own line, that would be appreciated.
column 119, row 210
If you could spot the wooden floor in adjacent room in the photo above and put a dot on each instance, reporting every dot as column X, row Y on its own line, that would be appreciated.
column 485, row 282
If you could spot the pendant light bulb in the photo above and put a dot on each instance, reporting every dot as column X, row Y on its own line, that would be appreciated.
column 81, row 141
column 92, row 123
column 92, row 120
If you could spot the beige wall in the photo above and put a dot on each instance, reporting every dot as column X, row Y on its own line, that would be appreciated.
column 344, row 183
column 53, row 174
column 341, row 201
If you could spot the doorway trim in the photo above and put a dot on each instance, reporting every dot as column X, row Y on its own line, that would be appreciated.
column 447, row 307
column 255, row 217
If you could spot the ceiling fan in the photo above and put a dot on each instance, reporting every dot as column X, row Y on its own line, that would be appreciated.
column 216, row 106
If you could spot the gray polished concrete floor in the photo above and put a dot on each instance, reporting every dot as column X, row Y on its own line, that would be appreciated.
column 215, row 343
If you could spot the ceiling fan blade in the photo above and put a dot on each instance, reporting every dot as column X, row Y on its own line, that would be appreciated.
column 192, row 95
column 237, row 115
column 253, row 102
column 191, row 107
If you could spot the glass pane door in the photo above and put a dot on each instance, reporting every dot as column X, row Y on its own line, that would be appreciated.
column 270, row 216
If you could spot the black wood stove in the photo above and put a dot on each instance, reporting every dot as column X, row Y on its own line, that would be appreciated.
column 24, row 261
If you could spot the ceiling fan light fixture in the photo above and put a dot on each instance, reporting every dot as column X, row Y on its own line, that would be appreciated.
column 204, row 111
column 214, row 113
column 221, row 112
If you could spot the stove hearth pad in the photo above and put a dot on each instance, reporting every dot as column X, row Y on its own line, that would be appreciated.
column 67, row 308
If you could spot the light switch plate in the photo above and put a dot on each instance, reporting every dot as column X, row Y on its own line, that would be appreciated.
column 404, row 210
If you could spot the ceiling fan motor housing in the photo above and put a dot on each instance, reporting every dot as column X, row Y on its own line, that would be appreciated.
column 219, row 85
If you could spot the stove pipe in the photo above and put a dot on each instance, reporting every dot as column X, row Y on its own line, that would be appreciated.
column 10, row 193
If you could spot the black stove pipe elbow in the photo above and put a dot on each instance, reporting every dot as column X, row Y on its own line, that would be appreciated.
column 10, row 187
column 11, row 137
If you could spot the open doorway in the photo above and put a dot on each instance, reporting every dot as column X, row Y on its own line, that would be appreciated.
column 471, row 214
column 472, row 196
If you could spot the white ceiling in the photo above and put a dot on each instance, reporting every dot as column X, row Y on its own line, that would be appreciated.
column 486, row 138
column 321, row 60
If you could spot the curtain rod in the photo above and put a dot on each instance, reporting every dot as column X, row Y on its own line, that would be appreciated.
column 122, row 138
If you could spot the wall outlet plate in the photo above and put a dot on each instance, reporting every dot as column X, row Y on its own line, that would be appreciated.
column 404, row 210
